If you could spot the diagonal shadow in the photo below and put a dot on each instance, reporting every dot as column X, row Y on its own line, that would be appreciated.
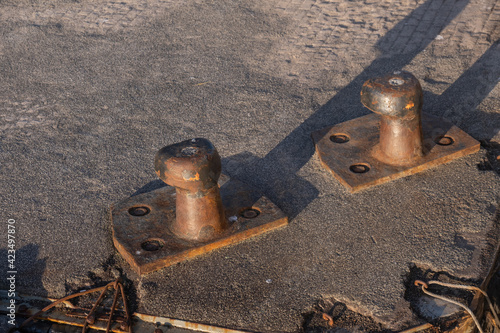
column 29, row 270
column 459, row 102
column 275, row 174
column 27, row 279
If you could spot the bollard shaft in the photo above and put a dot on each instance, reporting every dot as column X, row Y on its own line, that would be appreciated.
column 193, row 168
column 398, row 99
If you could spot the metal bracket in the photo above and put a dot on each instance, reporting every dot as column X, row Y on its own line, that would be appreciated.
column 150, row 235
column 396, row 141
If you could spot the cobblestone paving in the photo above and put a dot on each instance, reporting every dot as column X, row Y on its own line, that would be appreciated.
column 328, row 32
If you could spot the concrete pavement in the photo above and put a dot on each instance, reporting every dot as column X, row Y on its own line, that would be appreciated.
column 92, row 89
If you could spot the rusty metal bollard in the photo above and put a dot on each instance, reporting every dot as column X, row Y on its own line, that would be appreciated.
column 193, row 167
column 395, row 141
column 191, row 216
column 397, row 98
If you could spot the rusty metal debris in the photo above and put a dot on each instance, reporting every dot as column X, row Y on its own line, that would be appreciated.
column 418, row 328
column 463, row 324
column 186, row 324
column 92, row 316
column 425, row 286
column 191, row 216
column 75, row 316
column 328, row 319
column 395, row 141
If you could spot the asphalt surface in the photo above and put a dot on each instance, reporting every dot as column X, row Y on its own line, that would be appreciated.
column 92, row 89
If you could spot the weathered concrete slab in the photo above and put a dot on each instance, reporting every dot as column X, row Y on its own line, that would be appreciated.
column 92, row 89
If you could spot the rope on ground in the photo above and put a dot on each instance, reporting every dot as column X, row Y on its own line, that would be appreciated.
column 424, row 287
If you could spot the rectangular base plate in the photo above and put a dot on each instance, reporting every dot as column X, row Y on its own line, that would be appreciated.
column 148, row 245
column 362, row 133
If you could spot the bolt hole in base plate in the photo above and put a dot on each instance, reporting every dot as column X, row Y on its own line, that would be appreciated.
column 147, row 244
column 152, row 244
column 250, row 213
column 139, row 211
column 444, row 140
column 359, row 168
column 443, row 143
column 339, row 138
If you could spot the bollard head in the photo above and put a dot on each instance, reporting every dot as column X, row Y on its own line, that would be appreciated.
column 193, row 165
column 394, row 95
